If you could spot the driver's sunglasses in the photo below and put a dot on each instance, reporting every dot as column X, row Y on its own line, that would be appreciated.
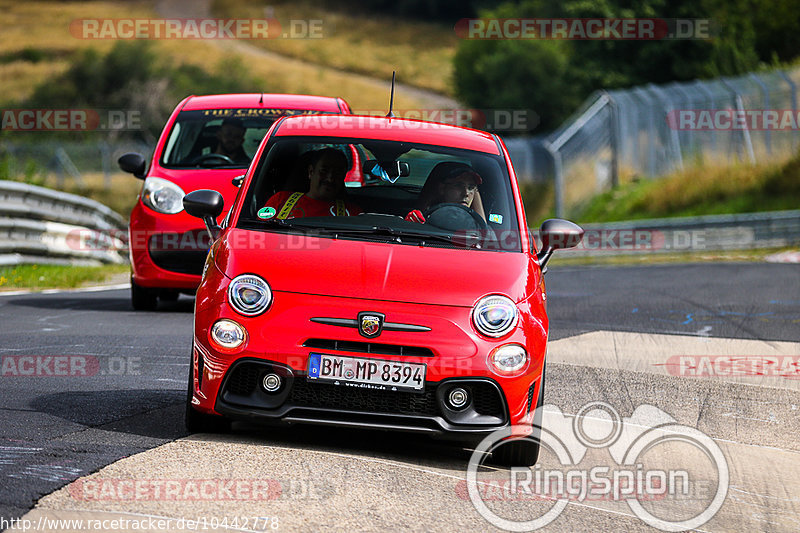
column 471, row 187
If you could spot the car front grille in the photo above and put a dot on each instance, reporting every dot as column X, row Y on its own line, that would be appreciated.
column 243, row 383
column 183, row 253
column 368, row 347
column 328, row 396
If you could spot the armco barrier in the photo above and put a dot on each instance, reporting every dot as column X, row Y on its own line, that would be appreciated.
column 693, row 234
column 39, row 225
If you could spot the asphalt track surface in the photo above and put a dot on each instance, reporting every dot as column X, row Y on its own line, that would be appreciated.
column 615, row 333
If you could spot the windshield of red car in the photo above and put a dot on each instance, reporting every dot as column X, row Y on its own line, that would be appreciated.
column 397, row 192
column 219, row 138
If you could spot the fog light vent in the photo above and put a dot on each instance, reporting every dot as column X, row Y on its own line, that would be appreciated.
column 458, row 398
column 271, row 382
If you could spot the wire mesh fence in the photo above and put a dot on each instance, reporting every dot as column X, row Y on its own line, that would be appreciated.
column 655, row 130
column 65, row 162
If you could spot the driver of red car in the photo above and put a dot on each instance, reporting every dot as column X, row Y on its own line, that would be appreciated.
column 325, row 196
column 230, row 138
column 449, row 182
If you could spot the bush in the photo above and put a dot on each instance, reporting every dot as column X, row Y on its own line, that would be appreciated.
column 133, row 76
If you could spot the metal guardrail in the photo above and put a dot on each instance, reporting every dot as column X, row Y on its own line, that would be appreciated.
column 39, row 225
column 693, row 234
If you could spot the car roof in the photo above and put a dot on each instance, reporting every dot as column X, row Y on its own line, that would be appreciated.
column 253, row 100
column 390, row 129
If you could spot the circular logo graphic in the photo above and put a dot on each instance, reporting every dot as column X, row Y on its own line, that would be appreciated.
column 628, row 441
column 266, row 212
column 597, row 410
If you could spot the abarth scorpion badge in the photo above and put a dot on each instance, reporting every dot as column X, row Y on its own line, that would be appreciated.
column 370, row 324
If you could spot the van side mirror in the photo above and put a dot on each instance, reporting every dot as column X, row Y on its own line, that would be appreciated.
column 133, row 163
column 557, row 234
column 206, row 205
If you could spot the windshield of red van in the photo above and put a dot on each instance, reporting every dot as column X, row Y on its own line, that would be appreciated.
column 397, row 192
column 219, row 138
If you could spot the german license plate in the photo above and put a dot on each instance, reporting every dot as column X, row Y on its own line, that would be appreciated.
column 366, row 373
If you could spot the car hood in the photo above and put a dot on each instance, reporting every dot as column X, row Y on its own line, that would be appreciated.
column 370, row 270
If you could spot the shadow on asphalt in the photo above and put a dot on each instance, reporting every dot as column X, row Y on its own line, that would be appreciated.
column 95, row 302
column 159, row 414
column 394, row 445
column 138, row 412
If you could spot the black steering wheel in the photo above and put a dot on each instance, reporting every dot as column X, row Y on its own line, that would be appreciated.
column 206, row 157
column 455, row 217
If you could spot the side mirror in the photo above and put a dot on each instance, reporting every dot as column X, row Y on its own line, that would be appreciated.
column 133, row 163
column 557, row 234
column 207, row 205
column 386, row 170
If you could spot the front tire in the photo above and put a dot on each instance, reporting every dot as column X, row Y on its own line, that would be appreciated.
column 525, row 451
column 142, row 298
column 197, row 422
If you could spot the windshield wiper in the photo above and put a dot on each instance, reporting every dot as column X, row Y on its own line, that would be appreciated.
column 391, row 232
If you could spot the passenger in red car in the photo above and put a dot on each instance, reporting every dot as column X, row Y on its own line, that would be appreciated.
column 325, row 196
column 449, row 182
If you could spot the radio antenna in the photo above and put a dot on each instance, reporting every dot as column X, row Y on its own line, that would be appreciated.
column 261, row 100
column 391, row 99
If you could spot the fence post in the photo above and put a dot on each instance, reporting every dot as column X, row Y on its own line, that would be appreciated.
column 642, row 96
column 673, row 133
column 105, row 156
column 793, row 88
column 702, row 87
column 737, row 98
column 765, row 91
column 615, row 139
column 558, row 177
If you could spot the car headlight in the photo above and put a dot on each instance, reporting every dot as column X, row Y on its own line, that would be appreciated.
column 227, row 335
column 162, row 195
column 508, row 358
column 249, row 295
column 494, row 315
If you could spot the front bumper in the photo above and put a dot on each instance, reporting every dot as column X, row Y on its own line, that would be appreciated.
column 166, row 251
column 282, row 339
column 300, row 400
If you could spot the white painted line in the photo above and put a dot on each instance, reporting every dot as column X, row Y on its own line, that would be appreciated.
column 97, row 288
column 684, row 357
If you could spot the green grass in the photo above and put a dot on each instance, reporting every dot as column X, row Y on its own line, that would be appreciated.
column 421, row 52
column 37, row 277
column 563, row 258
column 539, row 202
column 702, row 191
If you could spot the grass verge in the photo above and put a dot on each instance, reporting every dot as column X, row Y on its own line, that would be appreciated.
column 702, row 191
column 563, row 258
column 37, row 277
column 36, row 43
column 421, row 52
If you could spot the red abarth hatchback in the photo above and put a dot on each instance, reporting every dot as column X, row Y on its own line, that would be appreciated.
column 414, row 304
column 207, row 143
